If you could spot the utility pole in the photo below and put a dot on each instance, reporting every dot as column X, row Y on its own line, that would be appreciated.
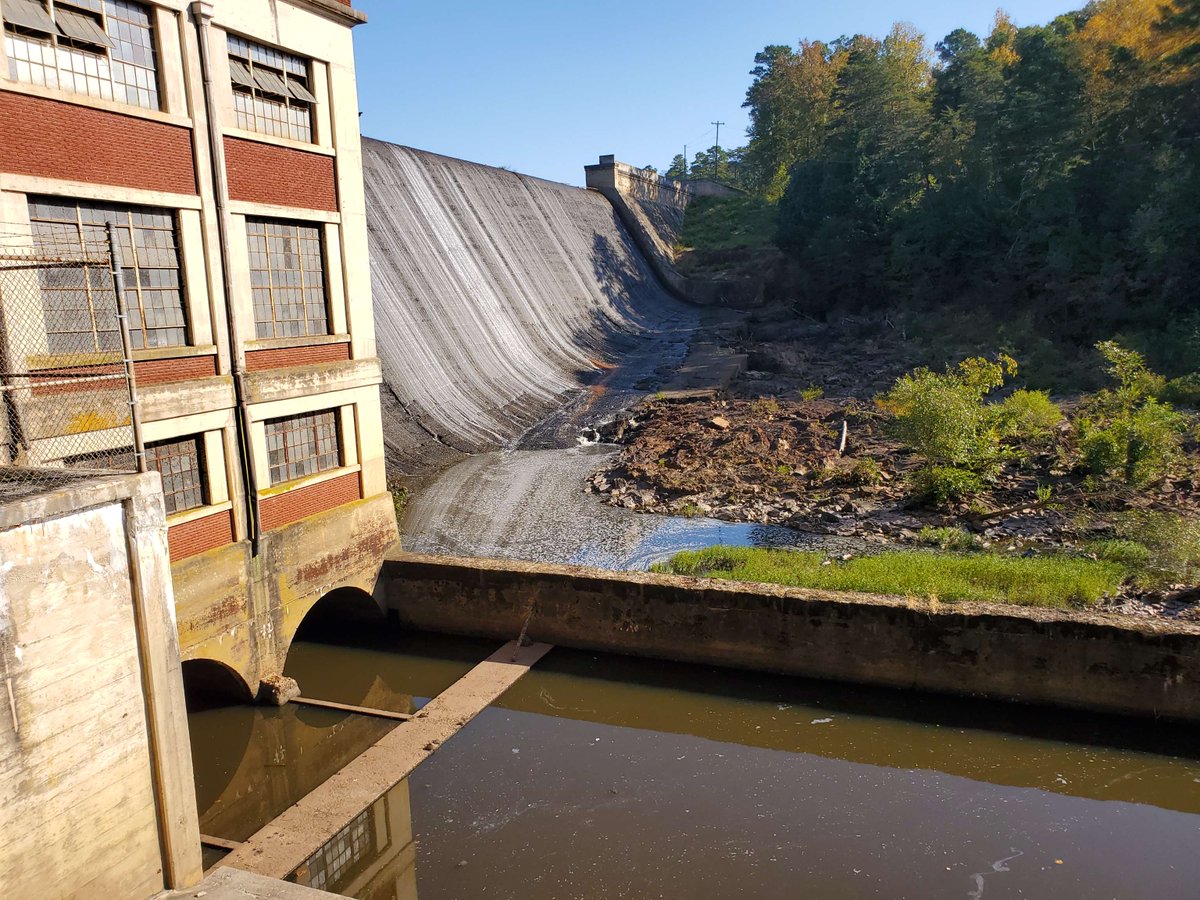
column 685, row 166
column 718, row 124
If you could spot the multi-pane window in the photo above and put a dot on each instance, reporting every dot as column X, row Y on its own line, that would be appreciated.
column 79, row 307
column 287, row 279
column 181, row 463
column 102, row 48
column 303, row 445
column 270, row 90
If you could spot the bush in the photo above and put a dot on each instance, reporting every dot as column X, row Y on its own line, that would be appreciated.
column 948, row 538
column 765, row 407
column 866, row 472
column 812, row 392
column 1183, row 391
column 1125, row 430
column 1171, row 542
column 1029, row 415
column 944, row 417
column 944, row 485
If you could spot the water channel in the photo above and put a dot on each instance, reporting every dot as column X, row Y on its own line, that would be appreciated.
column 599, row 776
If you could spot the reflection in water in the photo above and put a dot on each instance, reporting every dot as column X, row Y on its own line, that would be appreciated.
column 531, row 505
column 372, row 858
column 603, row 776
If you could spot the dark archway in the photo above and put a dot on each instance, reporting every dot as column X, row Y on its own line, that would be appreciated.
column 343, row 615
column 208, row 684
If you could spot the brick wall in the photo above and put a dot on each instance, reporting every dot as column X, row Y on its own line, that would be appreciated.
column 198, row 535
column 263, row 173
column 307, row 501
column 258, row 360
column 52, row 139
column 149, row 371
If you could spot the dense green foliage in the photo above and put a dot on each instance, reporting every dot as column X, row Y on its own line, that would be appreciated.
column 1041, row 183
column 948, row 420
column 1055, row 581
column 1127, row 430
column 725, row 224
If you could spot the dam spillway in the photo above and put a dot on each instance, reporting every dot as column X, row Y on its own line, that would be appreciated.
column 496, row 296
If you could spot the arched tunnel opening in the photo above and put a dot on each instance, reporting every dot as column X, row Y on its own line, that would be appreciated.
column 345, row 615
column 208, row 684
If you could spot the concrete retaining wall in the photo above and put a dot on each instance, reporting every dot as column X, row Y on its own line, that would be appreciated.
column 652, row 208
column 96, row 792
column 1086, row 661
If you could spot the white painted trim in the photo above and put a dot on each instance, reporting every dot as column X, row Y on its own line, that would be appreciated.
column 86, row 190
column 273, row 211
column 99, row 103
column 200, row 512
column 258, row 137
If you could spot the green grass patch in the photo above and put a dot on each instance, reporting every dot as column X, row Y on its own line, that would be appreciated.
column 724, row 224
column 1051, row 581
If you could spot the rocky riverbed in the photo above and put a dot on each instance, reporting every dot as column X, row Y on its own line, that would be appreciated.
column 829, row 467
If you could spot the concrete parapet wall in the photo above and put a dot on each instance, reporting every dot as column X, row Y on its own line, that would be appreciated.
column 652, row 207
column 1079, row 660
column 96, row 790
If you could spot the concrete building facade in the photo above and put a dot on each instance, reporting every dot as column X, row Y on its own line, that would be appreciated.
column 222, row 139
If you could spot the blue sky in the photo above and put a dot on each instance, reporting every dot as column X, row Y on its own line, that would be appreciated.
column 545, row 86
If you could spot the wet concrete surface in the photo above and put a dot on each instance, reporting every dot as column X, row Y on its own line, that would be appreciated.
column 530, row 505
column 600, row 776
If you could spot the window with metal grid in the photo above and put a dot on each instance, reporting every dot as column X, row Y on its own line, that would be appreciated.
column 78, row 304
column 303, row 445
column 287, row 278
column 102, row 48
column 271, row 92
column 180, row 461
column 328, row 867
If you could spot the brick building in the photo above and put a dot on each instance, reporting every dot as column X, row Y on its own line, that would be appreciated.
column 222, row 139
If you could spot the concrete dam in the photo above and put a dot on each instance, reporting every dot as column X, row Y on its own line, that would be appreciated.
column 498, row 296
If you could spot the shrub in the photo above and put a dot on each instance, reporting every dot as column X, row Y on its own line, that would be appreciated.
column 765, row 407
column 948, row 538
column 866, row 472
column 1128, row 553
column 1125, row 430
column 1171, row 541
column 1029, row 415
column 812, row 392
column 1183, row 391
column 944, row 485
column 944, row 417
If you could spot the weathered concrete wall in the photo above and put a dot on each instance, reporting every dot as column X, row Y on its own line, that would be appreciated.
column 1081, row 660
column 652, row 207
column 94, row 756
column 243, row 612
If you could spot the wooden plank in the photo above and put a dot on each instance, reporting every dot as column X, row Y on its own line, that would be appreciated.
column 359, row 710
column 211, row 840
column 282, row 845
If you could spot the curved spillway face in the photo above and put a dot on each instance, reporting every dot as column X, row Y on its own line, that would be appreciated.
column 496, row 295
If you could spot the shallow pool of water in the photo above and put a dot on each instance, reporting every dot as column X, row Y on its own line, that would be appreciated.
column 602, row 776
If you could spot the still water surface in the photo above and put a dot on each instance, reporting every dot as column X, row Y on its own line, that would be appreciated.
column 601, row 776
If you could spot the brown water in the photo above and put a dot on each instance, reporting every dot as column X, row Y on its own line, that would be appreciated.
column 611, row 777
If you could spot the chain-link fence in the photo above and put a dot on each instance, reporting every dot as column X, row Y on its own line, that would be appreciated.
column 67, row 387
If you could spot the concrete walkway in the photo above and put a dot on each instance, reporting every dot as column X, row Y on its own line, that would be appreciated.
column 230, row 884
column 282, row 845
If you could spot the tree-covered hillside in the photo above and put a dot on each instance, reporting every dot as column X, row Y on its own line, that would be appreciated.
column 1042, row 182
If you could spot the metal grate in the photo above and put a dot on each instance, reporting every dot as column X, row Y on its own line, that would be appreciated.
column 67, row 394
column 303, row 445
